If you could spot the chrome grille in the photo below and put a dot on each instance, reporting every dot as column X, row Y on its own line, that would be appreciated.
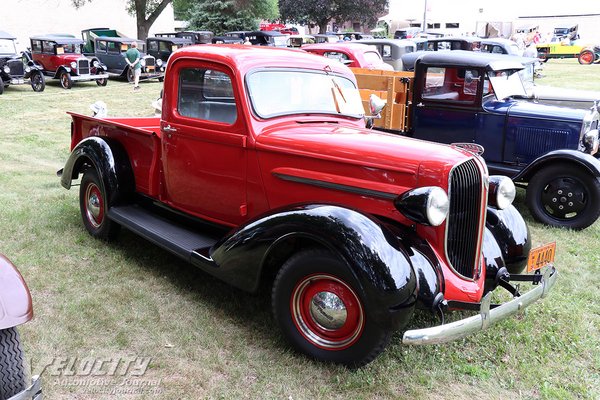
column 83, row 66
column 463, row 225
column 149, row 61
column 17, row 68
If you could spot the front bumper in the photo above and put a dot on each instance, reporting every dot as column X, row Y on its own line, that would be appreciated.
column 33, row 392
column 487, row 315
column 89, row 77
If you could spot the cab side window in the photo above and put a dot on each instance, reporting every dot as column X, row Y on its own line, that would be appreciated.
column 48, row 47
column 36, row 46
column 153, row 45
column 451, row 85
column 113, row 47
column 206, row 94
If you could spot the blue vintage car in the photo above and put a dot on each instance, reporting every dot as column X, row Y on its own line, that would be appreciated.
column 479, row 98
column 111, row 52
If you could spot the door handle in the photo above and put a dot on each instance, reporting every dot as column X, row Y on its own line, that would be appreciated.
column 169, row 129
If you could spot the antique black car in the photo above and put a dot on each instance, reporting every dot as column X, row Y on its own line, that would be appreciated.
column 60, row 57
column 162, row 47
column 111, row 52
column 196, row 37
column 13, row 70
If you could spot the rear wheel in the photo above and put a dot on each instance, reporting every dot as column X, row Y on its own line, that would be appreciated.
column 586, row 57
column 93, row 204
column 65, row 80
column 130, row 75
column 319, row 306
column 564, row 196
column 38, row 83
column 12, row 371
column 1, row 85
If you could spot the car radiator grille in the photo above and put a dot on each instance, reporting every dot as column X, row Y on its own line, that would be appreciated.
column 83, row 67
column 16, row 68
column 150, row 62
column 463, row 225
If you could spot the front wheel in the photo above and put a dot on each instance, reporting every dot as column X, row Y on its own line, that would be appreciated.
column 38, row 83
column 130, row 75
column 102, row 82
column 564, row 196
column 12, row 371
column 586, row 57
column 65, row 80
column 93, row 204
column 320, row 308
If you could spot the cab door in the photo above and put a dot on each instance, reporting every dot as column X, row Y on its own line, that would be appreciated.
column 204, row 143
column 446, row 104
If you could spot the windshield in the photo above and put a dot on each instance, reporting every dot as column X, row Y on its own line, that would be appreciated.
column 506, row 83
column 285, row 92
column 7, row 46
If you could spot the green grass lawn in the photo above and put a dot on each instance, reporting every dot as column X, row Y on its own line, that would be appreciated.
column 94, row 300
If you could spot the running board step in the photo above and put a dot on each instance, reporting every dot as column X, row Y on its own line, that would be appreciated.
column 175, row 238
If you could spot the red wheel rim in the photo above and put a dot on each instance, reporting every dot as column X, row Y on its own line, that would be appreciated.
column 586, row 57
column 94, row 205
column 327, row 312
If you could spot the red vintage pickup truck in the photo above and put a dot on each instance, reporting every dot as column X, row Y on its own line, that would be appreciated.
column 261, row 168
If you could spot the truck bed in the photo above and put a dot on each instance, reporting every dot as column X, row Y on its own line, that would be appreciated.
column 139, row 136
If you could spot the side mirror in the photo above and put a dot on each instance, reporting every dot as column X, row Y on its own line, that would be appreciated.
column 376, row 104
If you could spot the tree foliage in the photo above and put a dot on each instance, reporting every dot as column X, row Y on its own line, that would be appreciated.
column 320, row 12
column 222, row 16
column 145, row 11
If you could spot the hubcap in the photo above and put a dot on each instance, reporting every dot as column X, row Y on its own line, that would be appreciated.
column 587, row 57
column 327, row 312
column 564, row 198
column 94, row 205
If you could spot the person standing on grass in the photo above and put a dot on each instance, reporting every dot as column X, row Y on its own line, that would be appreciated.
column 132, row 56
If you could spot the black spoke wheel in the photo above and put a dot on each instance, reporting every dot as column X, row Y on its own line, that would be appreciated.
column 38, row 83
column 12, row 371
column 320, row 308
column 102, row 82
column 564, row 196
column 93, row 204
column 65, row 80
column 130, row 75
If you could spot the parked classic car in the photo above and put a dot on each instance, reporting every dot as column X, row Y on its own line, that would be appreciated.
column 326, row 38
column 454, row 43
column 474, row 97
column 15, row 310
column 13, row 69
column 407, row 33
column 500, row 46
column 355, row 55
column 89, row 36
column 60, row 57
column 162, row 47
column 391, row 50
column 196, row 37
column 300, row 40
column 110, row 51
column 260, row 172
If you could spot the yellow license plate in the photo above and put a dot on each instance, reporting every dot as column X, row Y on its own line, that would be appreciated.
column 541, row 256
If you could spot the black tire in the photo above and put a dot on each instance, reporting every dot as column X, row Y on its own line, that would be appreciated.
column 564, row 196
column 65, row 80
column 93, row 204
column 1, row 86
column 38, row 83
column 12, row 370
column 161, row 78
column 102, row 82
column 356, row 342
column 586, row 57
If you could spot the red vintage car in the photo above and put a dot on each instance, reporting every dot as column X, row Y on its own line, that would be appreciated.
column 260, row 171
column 353, row 55
column 61, row 57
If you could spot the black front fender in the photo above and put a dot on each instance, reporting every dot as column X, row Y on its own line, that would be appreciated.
column 378, row 258
column 586, row 161
column 110, row 160
column 506, row 243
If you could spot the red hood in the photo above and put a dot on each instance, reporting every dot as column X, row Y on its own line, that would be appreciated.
column 359, row 146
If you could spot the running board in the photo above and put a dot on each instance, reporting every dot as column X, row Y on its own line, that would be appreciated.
column 188, row 244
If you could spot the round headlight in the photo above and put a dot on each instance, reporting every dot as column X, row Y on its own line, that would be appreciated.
column 28, row 69
column 73, row 65
column 95, row 64
column 426, row 205
column 159, row 62
column 502, row 192
column 6, row 69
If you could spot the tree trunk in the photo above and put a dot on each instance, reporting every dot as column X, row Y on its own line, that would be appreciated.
column 144, row 24
column 323, row 26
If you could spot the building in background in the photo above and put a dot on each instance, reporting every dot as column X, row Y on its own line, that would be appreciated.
column 38, row 17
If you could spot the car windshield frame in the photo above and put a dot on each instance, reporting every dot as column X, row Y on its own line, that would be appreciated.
column 507, row 83
column 8, row 46
column 276, row 92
